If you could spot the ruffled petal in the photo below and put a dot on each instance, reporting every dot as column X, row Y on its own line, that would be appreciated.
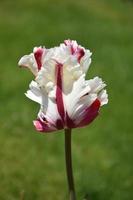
column 89, row 114
column 33, row 61
column 43, row 126
column 34, row 93
column 82, row 98
column 86, row 61
column 39, row 56
column 103, row 97
column 82, row 55
column 47, row 74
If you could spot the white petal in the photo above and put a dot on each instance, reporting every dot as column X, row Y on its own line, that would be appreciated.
column 103, row 97
column 73, row 95
column 51, row 111
column 33, row 97
column 86, row 61
column 29, row 62
column 48, row 106
column 34, row 93
column 96, row 84
column 46, row 74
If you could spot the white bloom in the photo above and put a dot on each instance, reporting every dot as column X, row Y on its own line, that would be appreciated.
column 66, row 99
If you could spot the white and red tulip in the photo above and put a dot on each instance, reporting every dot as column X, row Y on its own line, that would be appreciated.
column 66, row 99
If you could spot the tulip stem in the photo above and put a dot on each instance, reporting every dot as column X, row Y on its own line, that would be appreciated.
column 69, row 170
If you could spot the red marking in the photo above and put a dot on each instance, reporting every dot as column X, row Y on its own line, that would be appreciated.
column 80, row 54
column 69, row 122
column 72, row 49
column 42, row 126
column 38, row 56
column 67, row 42
column 59, row 124
column 90, row 113
column 59, row 95
column 75, row 50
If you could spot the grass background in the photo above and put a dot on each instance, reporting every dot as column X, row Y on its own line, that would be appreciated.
column 33, row 164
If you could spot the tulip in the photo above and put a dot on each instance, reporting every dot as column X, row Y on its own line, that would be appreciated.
column 66, row 99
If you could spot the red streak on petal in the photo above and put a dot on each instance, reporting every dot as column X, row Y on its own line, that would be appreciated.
column 80, row 54
column 38, row 56
column 75, row 50
column 59, row 124
column 72, row 50
column 90, row 113
column 59, row 95
column 69, row 122
column 69, row 43
column 95, row 105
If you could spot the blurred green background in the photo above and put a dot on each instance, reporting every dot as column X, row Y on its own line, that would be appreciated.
column 33, row 164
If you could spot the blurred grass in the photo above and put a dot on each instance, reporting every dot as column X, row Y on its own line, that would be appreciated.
column 102, row 152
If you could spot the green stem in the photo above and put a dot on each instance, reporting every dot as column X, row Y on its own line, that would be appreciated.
column 69, row 170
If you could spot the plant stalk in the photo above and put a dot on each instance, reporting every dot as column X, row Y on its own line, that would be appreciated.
column 69, row 170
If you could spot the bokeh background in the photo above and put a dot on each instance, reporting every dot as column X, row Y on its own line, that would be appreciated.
column 32, row 165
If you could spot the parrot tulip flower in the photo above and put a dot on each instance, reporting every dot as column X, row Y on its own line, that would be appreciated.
column 67, row 100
